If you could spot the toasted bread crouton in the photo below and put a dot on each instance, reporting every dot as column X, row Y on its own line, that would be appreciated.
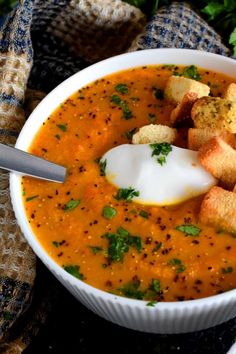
column 219, row 209
column 219, row 159
column 154, row 133
column 230, row 92
column 198, row 137
column 214, row 113
column 177, row 87
column 183, row 109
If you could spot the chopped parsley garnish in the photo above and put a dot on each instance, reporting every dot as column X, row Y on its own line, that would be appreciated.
column 132, row 290
column 152, row 303
column 226, row 270
column 169, row 66
column 102, row 165
column 120, row 242
column 129, row 134
column 122, row 88
column 144, row 214
column 23, row 193
column 189, row 230
column 192, row 73
column 96, row 249
column 157, row 247
column 58, row 137
column 161, row 150
column 127, row 114
column 56, row 243
column 155, row 286
column 179, row 266
column 152, row 117
column 108, row 212
column 28, row 199
column 159, row 94
column 72, row 204
column 63, row 127
column 126, row 193
column 74, row 270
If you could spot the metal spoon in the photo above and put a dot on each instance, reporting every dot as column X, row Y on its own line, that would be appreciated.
column 13, row 159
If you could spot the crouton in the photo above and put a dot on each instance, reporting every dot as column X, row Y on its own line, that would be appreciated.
column 214, row 113
column 219, row 209
column 151, row 134
column 219, row 159
column 198, row 137
column 177, row 87
column 230, row 92
column 183, row 109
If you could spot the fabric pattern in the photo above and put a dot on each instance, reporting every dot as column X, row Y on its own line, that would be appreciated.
column 67, row 35
column 17, row 261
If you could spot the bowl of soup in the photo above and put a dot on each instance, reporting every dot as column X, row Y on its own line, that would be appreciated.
column 122, row 233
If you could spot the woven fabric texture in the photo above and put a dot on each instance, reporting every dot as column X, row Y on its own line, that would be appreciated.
column 66, row 35
column 17, row 261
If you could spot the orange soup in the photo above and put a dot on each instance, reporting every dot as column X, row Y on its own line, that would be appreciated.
column 138, row 251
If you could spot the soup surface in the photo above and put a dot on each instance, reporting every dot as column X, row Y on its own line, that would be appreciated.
column 119, row 246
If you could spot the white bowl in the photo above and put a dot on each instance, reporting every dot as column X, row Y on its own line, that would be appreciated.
column 165, row 317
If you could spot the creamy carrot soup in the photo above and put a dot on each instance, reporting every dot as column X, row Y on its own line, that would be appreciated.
column 156, row 253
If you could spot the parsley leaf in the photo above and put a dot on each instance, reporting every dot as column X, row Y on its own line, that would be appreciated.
column 155, row 286
column 157, row 247
column 144, row 214
column 159, row 94
column 132, row 290
column 28, row 199
column 102, row 165
column 152, row 118
column 191, row 73
column 108, row 212
column 74, row 270
column 152, row 303
column 226, row 270
column 161, row 150
column 96, row 249
column 63, row 127
column 179, row 266
column 121, row 88
column 120, row 242
column 126, row 193
column 72, row 204
column 189, row 230
column 129, row 134
column 127, row 114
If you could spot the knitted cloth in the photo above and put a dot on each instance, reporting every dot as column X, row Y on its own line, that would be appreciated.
column 66, row 36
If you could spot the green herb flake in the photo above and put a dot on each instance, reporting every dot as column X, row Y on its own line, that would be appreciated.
column 127, row 113
column 227, row 270
column 144, row 214
column 31, row 198
column 189, row 230
column 72, row 204
column 132, row 290
column 152, row 303
column 192, row 73
column 122, row 88
column 161, row 150
column 23, row 193
column 159, row 94
column 96, row 249
column 109, row 212
column 63, row 127
column 120, row 242
column 155, row 286
column 126, row 193
column 102, row 165
column 177, row 263
column 157, row 247
column 58, row 137
column 56, row 243
column 74, row 270
column 152, row 118
column 129, row 134
column 8, row 316
column 169, row 66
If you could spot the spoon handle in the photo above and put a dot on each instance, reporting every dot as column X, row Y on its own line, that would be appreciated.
column 13, row 159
